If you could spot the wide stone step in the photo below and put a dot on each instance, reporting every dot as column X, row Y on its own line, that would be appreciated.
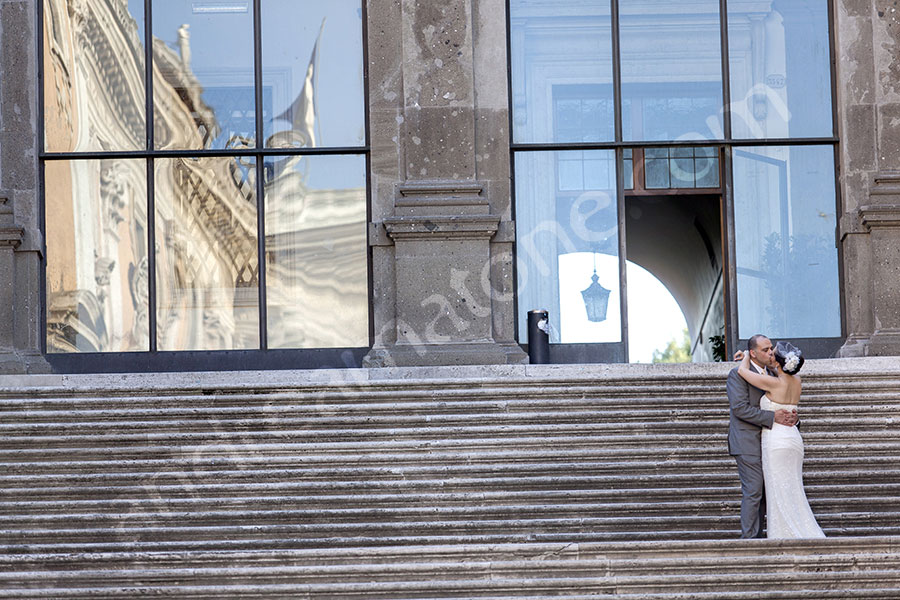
column 317, row 527
column 401, row 492
column 833, row 568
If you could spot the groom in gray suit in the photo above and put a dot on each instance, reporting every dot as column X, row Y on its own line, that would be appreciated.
column 745, row 429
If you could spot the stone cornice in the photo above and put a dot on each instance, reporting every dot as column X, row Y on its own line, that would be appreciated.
column 883, row 209
column 10, row 233
column 874, row 216
column 433, row 227
column 440, row 193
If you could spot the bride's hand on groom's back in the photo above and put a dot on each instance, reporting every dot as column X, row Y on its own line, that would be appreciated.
column 739, row 355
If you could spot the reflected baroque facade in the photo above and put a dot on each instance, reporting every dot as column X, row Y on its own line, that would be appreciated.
column 206, row 246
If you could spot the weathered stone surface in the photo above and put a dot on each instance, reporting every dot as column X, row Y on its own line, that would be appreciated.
column 889, row 136
column 17, row 96
column 439, row 143
column 886, row 45
column 857, row 67
column 859, row 149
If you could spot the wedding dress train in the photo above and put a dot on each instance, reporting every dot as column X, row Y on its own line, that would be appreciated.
column 788, row 514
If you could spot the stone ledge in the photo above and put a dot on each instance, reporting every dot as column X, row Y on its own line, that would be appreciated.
column 442, row 227
column 856, row 368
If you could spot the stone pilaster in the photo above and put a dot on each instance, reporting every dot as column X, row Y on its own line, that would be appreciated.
column 868, row 39
column 20, row 239
column 442, row 272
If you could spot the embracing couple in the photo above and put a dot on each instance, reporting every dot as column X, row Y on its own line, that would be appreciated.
column 763, row 393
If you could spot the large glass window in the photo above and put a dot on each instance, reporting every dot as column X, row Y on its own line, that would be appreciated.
column 574, row 53
column 671, row 70
column 786, row 252
column 255, row 148
column 568, row 243
column 780, row 70
column 648, row 87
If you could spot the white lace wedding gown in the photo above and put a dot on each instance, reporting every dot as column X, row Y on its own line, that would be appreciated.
column 787, row 510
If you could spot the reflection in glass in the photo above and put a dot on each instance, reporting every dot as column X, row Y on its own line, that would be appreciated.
column 312, row 50
column 673, row 168
column 561, row 61
column 560, row 236
column 780, row 70
column 203, row 75
column 92, row 103
column 316, row 276
column 671, row 70
column 96, row 224
column 784, row 214
column 628, row 166
column 207, row 257
column 586, row 170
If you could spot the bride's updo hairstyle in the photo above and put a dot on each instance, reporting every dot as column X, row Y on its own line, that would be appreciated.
column 789, row 357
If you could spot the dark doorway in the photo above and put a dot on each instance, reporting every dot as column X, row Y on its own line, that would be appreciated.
column 675, row 233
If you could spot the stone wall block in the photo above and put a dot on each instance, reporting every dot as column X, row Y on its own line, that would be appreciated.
column 889, row 135
column 854, row 193
column 856, row 8
column 385, row 55
column 856, row 67
column 437, row 53
column 492, row 156
column 886, row 46
column 439, row 143
column 502, row 287
column 859, row 148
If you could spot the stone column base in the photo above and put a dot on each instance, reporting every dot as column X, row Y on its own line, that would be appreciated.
column 22, row 363
column 451, row 354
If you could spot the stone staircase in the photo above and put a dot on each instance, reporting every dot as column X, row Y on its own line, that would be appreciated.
column 599, row 481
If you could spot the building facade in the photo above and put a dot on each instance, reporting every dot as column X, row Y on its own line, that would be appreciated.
column 208, row 184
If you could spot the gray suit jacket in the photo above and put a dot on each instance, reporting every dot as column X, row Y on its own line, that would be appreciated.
column 747, row 419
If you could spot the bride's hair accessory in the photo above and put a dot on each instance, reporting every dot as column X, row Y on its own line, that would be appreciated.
column 789, row 356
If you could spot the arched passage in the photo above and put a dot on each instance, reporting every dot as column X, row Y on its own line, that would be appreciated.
column 678, row 239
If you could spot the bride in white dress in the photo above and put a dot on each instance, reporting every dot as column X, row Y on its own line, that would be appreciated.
column 787, row 510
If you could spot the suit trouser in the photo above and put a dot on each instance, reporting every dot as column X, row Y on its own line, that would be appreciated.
column 753, row 500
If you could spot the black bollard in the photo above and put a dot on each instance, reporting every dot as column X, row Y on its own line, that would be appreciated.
column 538, row 337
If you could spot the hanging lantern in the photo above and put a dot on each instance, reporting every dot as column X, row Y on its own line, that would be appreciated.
column 596, row 300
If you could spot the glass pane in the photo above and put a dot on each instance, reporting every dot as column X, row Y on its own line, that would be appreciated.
column 571, row 175
column 561, row 52
column 207, row 256
column 560, row 240
column 671, row 69
column 93, row 83
column 779, row 70
column 599, row 175
column 312, row 73
column 707, row 172
column 96, row 223
column 656, row 173
column 316, row 252
column 682, row 172
column 784, row 214
column 628, row 166
column 203, row 75
column 656, row 152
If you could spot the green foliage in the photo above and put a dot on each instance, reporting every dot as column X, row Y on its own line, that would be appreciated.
column 675, row 351
column 718, row 347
